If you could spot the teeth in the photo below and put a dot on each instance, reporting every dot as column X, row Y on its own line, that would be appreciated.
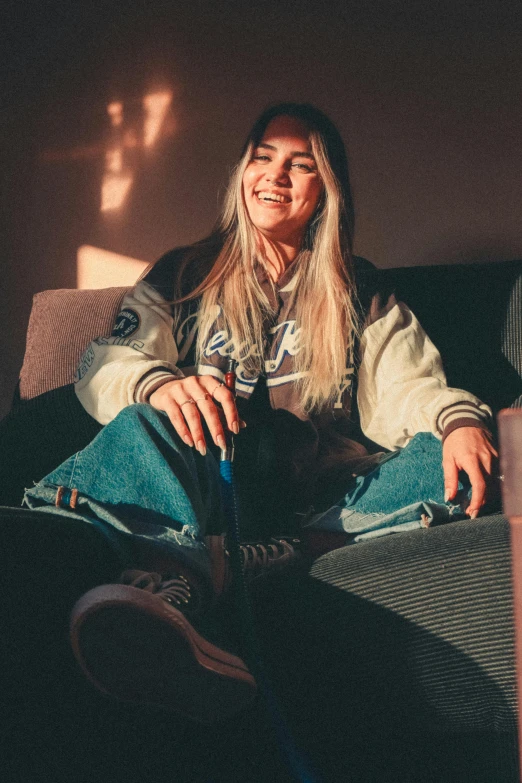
column 266, row 196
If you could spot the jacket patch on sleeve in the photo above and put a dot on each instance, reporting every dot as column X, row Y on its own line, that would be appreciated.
column 126, row 323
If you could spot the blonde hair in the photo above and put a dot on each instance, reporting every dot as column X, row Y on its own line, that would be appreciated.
column 323, row 297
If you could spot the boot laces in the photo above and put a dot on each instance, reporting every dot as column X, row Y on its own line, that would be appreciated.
column 257, row 558
column 174, row 589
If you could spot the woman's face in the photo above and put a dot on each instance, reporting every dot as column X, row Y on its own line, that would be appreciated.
column 281, row 184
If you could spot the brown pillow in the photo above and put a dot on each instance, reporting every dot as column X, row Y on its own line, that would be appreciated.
column 61, row 325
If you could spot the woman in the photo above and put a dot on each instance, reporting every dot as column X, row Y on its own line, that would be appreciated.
column 273, row 288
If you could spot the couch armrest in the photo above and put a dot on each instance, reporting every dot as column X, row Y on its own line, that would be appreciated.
column 61, row 325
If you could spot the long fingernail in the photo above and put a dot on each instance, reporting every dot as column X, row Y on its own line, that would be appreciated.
column 188, row 440
column 201, row 447
column 473, row 515
column 446, row 495
column 221, row 442
column 235, row 427
column 242, row 424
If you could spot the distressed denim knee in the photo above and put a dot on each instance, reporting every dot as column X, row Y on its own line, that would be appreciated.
column 405, row 492
column 138, row 476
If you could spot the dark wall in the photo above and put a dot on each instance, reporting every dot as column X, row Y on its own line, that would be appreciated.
column 427, row 94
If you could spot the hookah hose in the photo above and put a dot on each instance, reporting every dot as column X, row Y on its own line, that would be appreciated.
column 297, row 763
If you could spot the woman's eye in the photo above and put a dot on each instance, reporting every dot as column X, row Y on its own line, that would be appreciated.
column 303, row 166
column 261, row 157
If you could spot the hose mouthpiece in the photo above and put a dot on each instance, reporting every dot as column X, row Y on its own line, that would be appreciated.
column 227, row 454
column 230, row 375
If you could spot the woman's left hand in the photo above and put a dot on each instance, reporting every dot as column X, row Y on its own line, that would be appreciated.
column 469, row 449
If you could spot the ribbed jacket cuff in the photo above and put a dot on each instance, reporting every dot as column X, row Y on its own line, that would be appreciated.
column 464, row 409
column 152, row 380
column 465, row 422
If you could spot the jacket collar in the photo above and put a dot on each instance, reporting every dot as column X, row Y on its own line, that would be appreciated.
column 286, row 282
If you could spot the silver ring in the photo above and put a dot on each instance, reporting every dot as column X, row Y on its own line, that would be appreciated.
column 219, row 384
column 192, row 402
column 206, row 397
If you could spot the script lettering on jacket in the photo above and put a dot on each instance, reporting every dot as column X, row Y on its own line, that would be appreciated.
column 185, row 335
column 85, row 362
column 345, row 384
column 88, row 357
column 136, row 344
column 287, row 345
column 221, row 343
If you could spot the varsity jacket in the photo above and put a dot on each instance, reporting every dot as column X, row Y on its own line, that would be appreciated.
column 393, row 389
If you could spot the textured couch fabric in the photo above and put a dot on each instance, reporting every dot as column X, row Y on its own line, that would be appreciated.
column 61, row 324
column 47, row 423
column 473, row 313
column 410, row 640
column 394, row 658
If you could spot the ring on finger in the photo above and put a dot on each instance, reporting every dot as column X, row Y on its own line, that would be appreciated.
column 190, row 400
column 199, row 399
column 216, row 387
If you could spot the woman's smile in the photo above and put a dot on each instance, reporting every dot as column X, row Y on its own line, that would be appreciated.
column 271, row 198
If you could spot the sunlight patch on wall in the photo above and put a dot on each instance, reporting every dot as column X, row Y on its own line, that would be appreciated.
column 136, row 126
column 115, row 112
column 98, row 268
column 118, row 176
column 155, row 106
column 116, row 181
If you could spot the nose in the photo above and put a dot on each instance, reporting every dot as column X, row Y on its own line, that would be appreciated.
column 277, row 173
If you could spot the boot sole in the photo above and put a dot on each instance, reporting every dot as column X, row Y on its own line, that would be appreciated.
column 135, row 647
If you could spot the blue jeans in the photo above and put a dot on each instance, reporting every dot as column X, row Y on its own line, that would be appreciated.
column 404, row 492
column 137, row 480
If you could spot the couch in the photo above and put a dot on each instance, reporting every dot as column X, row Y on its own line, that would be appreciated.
column 424, row 619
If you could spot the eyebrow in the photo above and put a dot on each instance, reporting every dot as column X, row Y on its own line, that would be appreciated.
column 293, row 154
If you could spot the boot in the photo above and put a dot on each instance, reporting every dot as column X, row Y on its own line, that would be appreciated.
column 147, row 639
column 257, row 559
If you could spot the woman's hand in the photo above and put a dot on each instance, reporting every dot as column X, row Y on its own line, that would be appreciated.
column 469, row 449
column 186, row 400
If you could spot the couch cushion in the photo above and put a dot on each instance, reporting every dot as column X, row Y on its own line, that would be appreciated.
column 37, row 435
column 61, row 325
column 47, row 423
column 472, row 314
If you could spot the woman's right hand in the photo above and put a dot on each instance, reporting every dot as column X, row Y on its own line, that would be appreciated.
column 186, row 400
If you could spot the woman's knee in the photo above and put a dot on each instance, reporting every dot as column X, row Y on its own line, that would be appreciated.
column 138, row 412
column 142, row 421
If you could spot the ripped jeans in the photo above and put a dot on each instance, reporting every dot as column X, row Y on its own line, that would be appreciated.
column 137, row 481
column 404, row 492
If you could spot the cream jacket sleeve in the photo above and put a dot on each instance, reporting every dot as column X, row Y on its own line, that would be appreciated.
column 134, row 361
column 402, row 385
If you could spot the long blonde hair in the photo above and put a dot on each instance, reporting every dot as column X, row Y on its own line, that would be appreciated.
column 323, row 297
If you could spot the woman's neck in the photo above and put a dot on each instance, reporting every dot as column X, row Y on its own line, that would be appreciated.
column 277, row 257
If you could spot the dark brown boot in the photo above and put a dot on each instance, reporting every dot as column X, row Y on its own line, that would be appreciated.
column 257, row 558
column 146, row 639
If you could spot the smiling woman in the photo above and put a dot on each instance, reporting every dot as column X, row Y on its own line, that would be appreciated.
column 282, row 188
column 295, row 152
column 274, row 289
